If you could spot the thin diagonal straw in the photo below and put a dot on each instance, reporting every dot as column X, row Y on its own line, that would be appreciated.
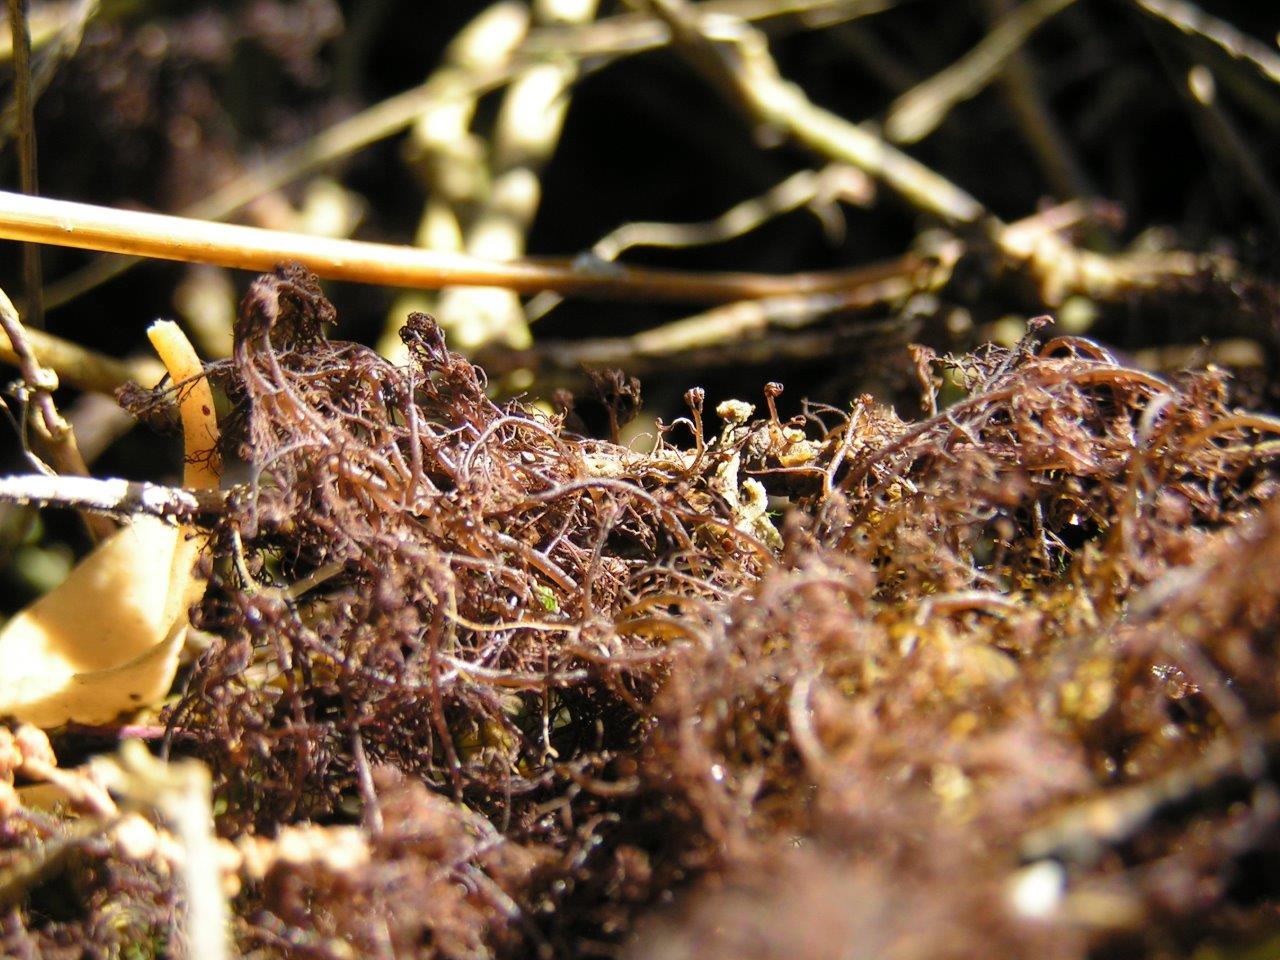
column 89, row 227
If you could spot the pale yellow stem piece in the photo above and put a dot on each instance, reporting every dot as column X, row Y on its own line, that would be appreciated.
column 195, row 404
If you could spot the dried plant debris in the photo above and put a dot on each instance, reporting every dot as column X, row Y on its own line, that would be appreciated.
column 109, row 638
column 1000, row 681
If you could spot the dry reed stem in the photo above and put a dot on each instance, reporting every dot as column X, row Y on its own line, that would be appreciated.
column 90, row 227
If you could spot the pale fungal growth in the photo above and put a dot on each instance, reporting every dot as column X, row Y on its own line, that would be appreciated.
column 735, row 411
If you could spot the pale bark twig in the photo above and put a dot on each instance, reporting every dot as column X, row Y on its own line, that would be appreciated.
column 739, row 59
column 745, row 67
column 57, row 439
column 181, row 792
column 919, row 111
column 1195, row 23
column 818, row 190
column 604, row 40
column 39, row 380
column 79, row 366
column 118, row 498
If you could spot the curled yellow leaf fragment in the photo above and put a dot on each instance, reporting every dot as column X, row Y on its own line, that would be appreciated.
column 107, row 640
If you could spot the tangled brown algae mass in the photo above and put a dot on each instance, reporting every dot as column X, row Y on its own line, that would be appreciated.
column 999, row 682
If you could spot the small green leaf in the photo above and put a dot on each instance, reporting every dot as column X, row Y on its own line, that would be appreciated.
column 546, row 596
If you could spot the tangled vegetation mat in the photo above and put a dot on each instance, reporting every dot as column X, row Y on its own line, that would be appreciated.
column 859, row 540
column 1001, row 679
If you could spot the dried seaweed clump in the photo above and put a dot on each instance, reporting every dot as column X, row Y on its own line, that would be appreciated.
column 437, row 879
column 1012, row 684
column 446, row 571
column 990, row 683
column 960, row 638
